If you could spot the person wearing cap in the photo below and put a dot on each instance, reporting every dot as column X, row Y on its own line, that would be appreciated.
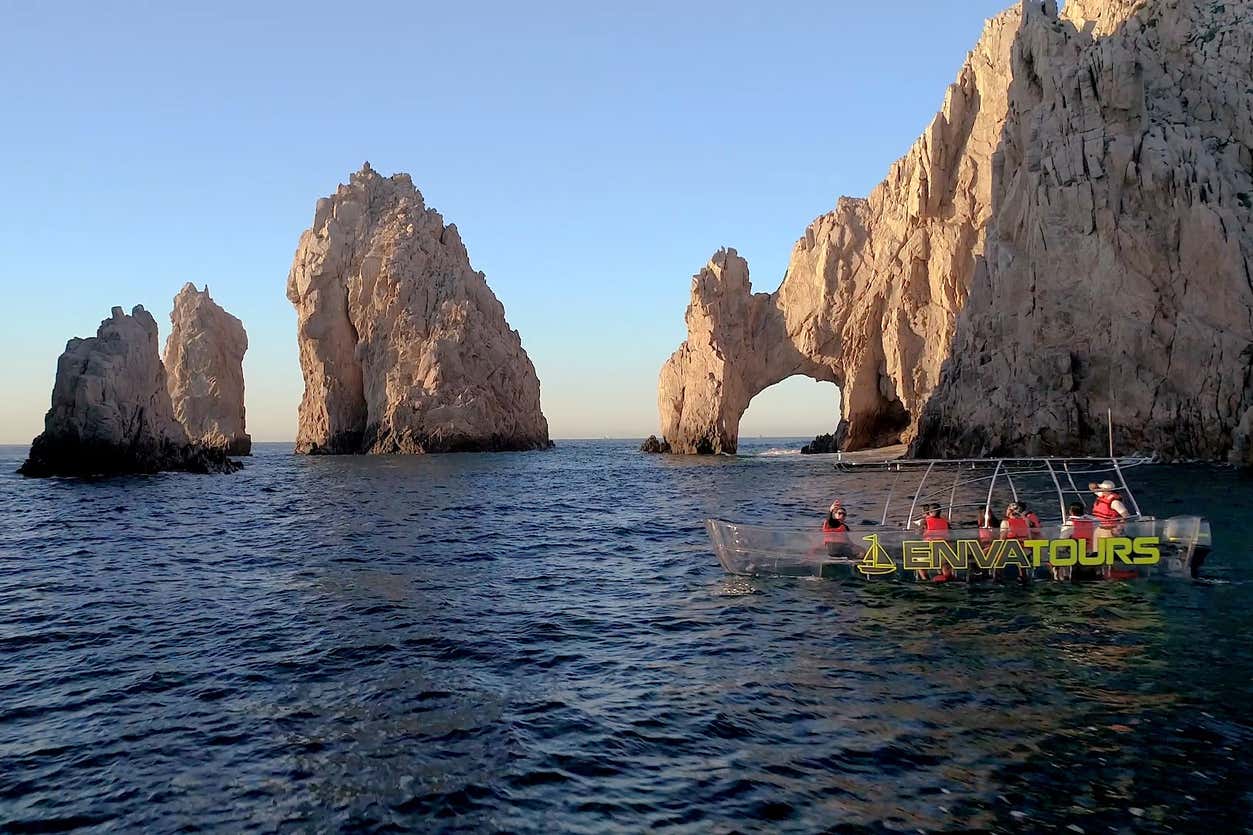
column 1108, row 509
column 1109, row 513
column 835, row 531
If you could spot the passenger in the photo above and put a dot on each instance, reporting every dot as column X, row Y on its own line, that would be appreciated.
column 1108, row 507
column 1015, row 526
column 936, row 527
column 988, row 526
column 835, row 532
column 1079, row 527
column 1033, row 521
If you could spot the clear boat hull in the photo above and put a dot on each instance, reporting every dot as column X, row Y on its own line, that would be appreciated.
column 1145, row 547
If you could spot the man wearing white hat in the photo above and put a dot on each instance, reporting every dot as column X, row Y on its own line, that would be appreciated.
column 1108, row 507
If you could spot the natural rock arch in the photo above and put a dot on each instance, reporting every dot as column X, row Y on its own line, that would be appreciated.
column 739, row 344
column 1079, row 212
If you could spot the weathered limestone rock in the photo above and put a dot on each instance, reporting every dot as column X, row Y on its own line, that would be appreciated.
column 1071, row 234
column 111, row 412
column 1118, row 271
column 204, row 362
column 404, row 347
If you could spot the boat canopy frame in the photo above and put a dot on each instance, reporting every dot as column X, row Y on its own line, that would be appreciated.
column 1022, row 477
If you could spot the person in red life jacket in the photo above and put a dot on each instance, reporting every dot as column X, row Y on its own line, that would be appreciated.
column 1081, row 528
column 1015, row 525
column 936, row 527
column 988, row 526
column 835, row 532
column 1108, row 508
column 1033, row 521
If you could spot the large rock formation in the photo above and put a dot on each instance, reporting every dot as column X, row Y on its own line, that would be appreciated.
column 404, row 347
column 111, row 412
column 1071, row 234
column 204, row 361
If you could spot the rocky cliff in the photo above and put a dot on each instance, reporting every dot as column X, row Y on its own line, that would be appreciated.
column 111, row 411
column 403, row 346
column 1070, row 234
column 204, row 363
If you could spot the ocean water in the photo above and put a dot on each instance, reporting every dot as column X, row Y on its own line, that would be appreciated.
column 544, row 642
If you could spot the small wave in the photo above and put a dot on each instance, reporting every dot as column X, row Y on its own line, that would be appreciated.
column 775, row 452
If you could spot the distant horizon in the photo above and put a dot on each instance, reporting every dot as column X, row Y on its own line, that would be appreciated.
column 553, row 439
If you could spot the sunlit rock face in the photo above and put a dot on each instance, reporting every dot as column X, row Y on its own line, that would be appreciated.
column 204, row 363
column 1071, row 235
column 871, row 291
column 111, row 412
column 1117, row 271
column 403, row 346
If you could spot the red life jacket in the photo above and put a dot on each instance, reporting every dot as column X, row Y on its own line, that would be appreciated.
column 1103, row 510
column 834, row 533
column 1032, row 520
column 1082, row 530
column 986, row 535
column 935, row 527
column 1018, row 528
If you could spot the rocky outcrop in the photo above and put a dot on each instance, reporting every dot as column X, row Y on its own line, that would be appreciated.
column 654, row 446
column 111, row 412
column 403, row 346
column 820, row 444
column 204, row 363
column 1070, row 235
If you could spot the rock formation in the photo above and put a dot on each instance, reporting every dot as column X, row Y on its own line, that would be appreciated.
column 204, row 361
column 654, row 446
column 111, row 412
column 404, row 347
column 1071, row 234
column 820, row 444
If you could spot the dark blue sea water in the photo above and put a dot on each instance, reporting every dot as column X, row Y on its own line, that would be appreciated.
column 544, row 642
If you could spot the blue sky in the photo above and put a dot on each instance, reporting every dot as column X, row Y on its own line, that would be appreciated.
column 593, row 156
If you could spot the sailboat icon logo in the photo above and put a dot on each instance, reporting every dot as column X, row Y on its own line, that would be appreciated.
column 876, row 561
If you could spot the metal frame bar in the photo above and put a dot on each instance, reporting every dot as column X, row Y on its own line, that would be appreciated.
column 987, row 506
column 1061, row 499
column 952, row 496
column 1123, row 482
column 918, row 492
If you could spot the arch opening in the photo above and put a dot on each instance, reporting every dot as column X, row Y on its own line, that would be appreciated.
column 797, row 408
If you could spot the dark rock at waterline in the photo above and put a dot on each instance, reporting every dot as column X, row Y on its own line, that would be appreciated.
column 655, row 446
column 69, row 456
column 819, row 445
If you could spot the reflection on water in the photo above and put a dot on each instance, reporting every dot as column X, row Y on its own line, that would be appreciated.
column 545, row 642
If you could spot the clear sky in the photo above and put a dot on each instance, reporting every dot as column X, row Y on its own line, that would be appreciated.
column 593, row 155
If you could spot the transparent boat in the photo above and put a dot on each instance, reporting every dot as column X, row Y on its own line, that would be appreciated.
column 896, row 548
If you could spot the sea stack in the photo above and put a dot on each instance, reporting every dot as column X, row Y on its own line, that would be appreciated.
column 404, row 347
column 111, row 411
column 204, row 361
column 1072, row 234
